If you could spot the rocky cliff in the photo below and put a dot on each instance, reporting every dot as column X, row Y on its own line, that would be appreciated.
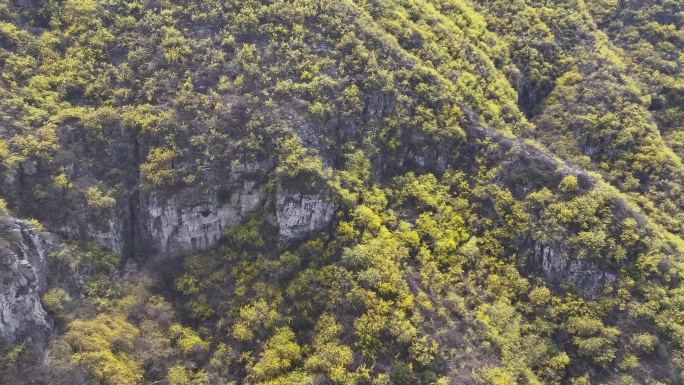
column 153, row 227
column 24, row 253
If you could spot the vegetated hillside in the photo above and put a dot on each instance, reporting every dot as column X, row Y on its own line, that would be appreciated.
column 343, row 192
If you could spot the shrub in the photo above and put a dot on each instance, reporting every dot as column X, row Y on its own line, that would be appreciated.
column 569, row 183
column 402, row 374
column 224, row 194
column 644, row 342
column 55, row 299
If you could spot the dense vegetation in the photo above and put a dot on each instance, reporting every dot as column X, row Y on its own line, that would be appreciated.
column 507, row 174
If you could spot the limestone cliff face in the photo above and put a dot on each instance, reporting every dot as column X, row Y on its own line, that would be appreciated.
column 299, row 215
column 152, row 226
column 23, row 264
column 196, row 220
column 556, row 268
column 192, row 219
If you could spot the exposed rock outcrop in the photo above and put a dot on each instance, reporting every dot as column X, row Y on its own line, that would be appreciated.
column 586, row 274
column 23, row 264
column 193, row 220
column 152, row 227
column 299, row 215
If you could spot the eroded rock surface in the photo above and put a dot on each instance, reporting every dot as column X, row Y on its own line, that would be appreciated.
column 586, row 274
column 299, row 215
column 23, row 264
column 193, row 220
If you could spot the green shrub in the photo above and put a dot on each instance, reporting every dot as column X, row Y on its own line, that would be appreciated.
column 402, row 374
column 224, row 194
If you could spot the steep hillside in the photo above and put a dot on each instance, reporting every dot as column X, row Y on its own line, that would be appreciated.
column 346, row 192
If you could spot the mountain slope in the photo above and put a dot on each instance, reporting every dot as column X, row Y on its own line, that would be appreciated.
column 396, row 191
